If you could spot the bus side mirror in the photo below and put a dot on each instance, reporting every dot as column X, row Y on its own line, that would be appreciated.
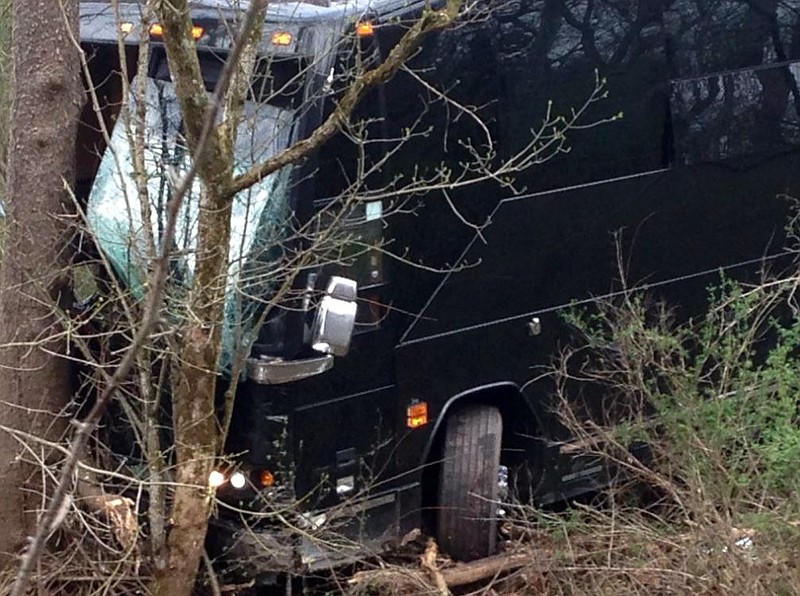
column 336, row 317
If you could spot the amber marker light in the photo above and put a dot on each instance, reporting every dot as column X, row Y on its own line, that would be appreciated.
column 157, row 30
column 126, row 27
column 365, row 29
column 282, row 38
column 266, row 478
column 417, row 415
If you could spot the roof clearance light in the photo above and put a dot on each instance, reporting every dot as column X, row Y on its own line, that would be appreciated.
column 126, row 27
column 365, row 29
column 417, row 415
column 157, row 30
column 282, row 38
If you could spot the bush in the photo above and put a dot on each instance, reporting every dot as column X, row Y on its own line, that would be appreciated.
column 714, row 508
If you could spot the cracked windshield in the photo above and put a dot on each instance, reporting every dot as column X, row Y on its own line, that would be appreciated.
column 258, row 215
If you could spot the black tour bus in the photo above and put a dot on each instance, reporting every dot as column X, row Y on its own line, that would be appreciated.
column 408, row 393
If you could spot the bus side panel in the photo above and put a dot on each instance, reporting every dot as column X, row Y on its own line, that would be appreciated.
column 677, row 229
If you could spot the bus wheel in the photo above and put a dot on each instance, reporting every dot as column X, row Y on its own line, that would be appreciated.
column 468, row 483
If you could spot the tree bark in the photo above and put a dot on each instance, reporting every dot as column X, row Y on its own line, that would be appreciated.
column 194, row 387
column 35, row 381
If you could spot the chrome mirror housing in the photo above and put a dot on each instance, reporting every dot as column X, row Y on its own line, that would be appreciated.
column 336, row 317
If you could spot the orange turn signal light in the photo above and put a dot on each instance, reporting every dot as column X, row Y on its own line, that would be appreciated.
column 266, row 478
column 365, row 29
column 282, row 38
column 157, row 30
column 417, row 414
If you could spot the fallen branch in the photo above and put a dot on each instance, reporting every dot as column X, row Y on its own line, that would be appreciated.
column 428, row 563
column 490, row 567
column 461, row 574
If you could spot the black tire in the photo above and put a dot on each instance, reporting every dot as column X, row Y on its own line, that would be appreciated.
column 468, row 483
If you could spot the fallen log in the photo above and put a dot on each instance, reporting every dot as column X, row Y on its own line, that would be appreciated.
column 469, row 573
column 443, row 578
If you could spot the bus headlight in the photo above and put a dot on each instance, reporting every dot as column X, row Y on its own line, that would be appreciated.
column 216, row 479
column 238, row 480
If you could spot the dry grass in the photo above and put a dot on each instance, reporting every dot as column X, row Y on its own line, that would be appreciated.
column 619, row 554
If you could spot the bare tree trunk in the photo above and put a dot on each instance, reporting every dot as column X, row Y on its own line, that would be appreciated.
column 194, row 378
column 194, row 388
column 35, row 382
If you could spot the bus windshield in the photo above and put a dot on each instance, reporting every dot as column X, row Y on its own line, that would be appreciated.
column 259, row 215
